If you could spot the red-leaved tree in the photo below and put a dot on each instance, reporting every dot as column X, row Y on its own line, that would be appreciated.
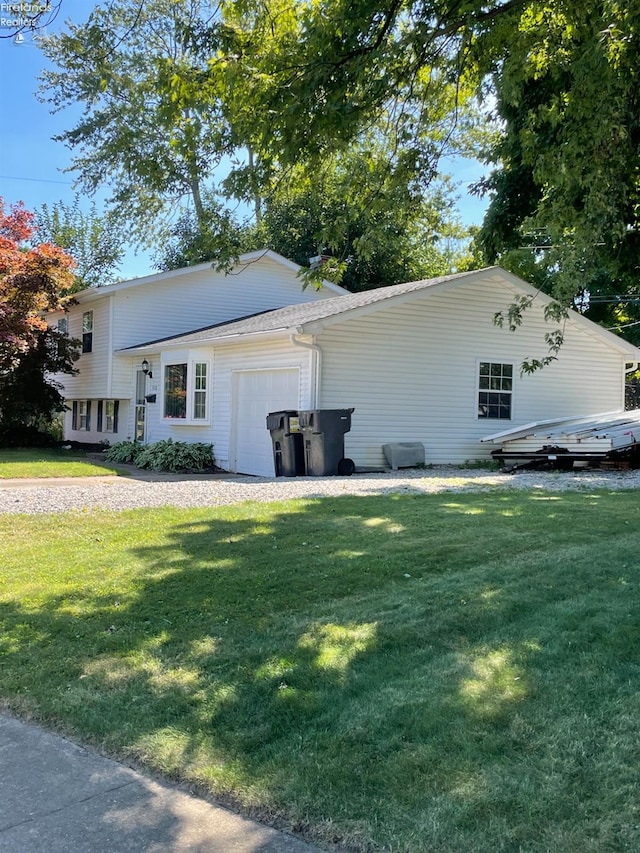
column 33, row 279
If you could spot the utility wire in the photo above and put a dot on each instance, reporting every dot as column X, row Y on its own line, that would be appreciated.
column 35, row 180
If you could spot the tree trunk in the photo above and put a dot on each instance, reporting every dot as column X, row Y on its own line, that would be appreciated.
column 257, row 201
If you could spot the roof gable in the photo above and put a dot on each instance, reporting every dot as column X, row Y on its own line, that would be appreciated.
column 245, row 260
column 310, row 318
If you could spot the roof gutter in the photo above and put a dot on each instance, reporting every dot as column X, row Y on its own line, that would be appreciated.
column 316, row 367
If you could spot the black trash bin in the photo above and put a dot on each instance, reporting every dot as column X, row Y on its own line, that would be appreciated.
column 288, row 451
column 323, row 433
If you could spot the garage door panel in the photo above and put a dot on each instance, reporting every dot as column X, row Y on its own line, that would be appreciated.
column 256, row 393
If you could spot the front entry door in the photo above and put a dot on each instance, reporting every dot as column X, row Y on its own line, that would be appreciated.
column 141, row 406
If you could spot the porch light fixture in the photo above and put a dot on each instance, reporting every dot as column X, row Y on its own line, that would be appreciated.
column 146, row 369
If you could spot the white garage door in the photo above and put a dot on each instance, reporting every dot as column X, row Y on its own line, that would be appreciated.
column 256, row 393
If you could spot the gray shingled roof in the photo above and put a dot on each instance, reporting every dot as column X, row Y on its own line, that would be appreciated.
column 296, row 316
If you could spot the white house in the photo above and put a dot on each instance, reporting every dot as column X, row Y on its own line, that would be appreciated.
column 106, row 400
column 421, row 361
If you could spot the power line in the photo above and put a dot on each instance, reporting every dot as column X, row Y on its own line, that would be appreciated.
column 35, row 180
column 623, row 326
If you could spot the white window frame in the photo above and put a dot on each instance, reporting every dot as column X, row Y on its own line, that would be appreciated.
column 108, row 415
column 83, row 416
column 196, row 377
column 200, row 391
column 480, row 390
column 87, row 332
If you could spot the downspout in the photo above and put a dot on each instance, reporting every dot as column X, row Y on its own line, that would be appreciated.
column 316, row 369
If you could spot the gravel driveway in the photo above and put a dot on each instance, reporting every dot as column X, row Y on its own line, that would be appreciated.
column 115, row 493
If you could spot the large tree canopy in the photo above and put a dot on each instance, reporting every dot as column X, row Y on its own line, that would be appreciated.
column 566, row 192
column 172, row 87
column 559, row 84
column 149, row 130
column 377, row 231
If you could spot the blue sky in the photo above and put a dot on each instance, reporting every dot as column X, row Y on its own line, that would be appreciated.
column 32, row 164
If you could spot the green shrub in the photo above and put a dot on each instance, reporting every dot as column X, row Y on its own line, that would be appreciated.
column 125, row 452
column 172, row 455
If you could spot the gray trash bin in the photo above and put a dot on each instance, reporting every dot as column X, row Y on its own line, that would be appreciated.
column 323, row 433
column 288, row 451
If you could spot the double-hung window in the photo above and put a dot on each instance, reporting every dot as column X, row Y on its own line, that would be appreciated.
column 495, row 390
column 107, row 416
column 87, row 331
column 186, row 391
column 81, row 415
column 199, row 390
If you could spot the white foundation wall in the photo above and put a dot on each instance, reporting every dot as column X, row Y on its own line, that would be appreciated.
column 411, row 373
column 93, row 436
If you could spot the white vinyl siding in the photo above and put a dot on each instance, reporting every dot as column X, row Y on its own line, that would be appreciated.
column 191, row 301
column 168, row 304
column 411, row 372
column 204, row 297
column 92, row 382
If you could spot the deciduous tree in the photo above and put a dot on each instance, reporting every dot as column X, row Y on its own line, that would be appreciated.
column 33, row 279
column 96, row 243
column 151, row 130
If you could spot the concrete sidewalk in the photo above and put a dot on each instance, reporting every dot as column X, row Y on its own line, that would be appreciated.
column 57, row 797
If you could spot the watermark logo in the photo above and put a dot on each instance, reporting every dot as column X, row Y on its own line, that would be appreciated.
column 22, row 16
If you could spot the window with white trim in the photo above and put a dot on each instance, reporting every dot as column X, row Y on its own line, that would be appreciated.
column 495, row 390
column 81, row 415
column 63, row 325
column 84, row 410
column 186, row 391
column 108, row 416
column 110, row 422
column 175, row 391
column 87, row 331
column 199, row 390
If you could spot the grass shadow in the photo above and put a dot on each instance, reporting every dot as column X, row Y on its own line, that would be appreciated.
column 408, row 671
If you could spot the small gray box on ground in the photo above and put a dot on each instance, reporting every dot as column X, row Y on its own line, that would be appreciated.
column 404, row 454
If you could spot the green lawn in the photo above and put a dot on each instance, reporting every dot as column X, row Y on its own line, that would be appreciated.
column 49, row 463
column 455, row 672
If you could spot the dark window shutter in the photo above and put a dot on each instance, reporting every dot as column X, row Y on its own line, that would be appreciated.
column 116, row 406
column 99, row 419
column 88, row 415
column 74, row 417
